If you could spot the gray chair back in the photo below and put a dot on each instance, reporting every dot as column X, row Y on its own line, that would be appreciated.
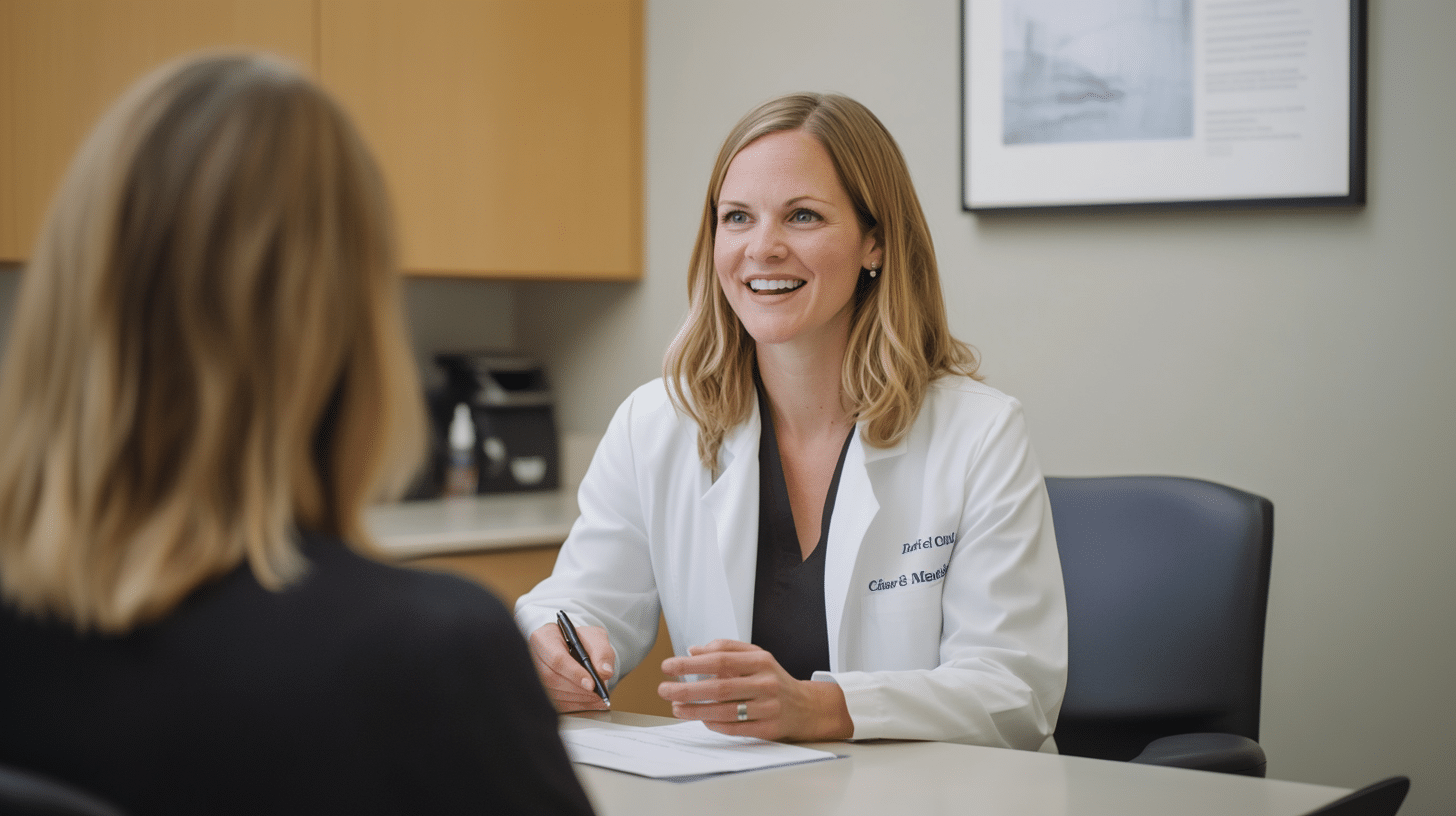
column 1167, row 584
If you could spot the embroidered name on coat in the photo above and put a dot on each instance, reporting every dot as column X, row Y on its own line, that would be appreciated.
column 928, row 542
column 909, row 579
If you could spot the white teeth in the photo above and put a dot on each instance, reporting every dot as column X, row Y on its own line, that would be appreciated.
column 770, row 285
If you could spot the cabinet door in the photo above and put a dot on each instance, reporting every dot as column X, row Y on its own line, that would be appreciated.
column 67, row 60
column 509, row 130
column 9, row 244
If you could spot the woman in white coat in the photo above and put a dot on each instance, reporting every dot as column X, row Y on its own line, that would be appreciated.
column 846, row 531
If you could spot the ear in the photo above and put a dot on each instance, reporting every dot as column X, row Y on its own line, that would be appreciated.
column 871, row 252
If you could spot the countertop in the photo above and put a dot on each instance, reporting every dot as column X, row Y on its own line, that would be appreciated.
column 475, row 523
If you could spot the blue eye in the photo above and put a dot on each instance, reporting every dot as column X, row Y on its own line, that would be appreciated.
column 734, row 217
column 803, row 216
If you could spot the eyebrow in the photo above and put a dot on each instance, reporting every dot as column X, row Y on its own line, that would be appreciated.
column 795, row 201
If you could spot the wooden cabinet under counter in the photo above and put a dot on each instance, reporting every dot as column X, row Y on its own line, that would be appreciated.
column 507, row 542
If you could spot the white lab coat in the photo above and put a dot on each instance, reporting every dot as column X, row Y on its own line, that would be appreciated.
column 942, row 586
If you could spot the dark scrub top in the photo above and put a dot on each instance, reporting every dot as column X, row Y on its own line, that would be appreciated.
column 788, row 593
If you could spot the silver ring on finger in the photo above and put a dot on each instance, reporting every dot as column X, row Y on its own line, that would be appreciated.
column 743, row 712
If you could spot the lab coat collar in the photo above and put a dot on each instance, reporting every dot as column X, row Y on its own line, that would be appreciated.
column 855, row 509
column 732, row 501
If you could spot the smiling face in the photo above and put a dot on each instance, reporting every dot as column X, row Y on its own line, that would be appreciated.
column 788, row 247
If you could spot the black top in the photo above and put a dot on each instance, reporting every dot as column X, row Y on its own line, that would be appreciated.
column 360, row 689
column 788, row 593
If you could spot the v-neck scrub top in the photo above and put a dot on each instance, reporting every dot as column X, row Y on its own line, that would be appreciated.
column 788, row 591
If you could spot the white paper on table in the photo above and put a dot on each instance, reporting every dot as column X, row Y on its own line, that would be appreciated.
column 687, row 749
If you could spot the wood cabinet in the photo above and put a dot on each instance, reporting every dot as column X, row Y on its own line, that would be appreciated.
column 511, row 573
column 9, row 241
column 510, row 131
column 65, row 61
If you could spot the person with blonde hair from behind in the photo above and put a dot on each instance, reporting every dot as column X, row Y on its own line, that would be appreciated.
column 206, row 381
column 846, row 531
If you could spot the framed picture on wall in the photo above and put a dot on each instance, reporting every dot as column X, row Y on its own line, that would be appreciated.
column 1162, row 103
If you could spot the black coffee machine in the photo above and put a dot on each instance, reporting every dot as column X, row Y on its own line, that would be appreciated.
column 516, row 448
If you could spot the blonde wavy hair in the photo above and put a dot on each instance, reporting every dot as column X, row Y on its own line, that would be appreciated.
column 208, row 351
column 899, row 337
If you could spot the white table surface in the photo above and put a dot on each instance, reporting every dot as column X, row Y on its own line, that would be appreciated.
column 497, row 521
column 930, row 778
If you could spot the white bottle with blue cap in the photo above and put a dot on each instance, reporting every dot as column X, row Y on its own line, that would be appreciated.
column 461, row 476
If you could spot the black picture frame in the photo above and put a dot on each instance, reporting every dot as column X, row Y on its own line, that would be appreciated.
column 1193, row 104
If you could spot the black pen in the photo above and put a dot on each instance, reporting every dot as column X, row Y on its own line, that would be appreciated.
column 578, row 651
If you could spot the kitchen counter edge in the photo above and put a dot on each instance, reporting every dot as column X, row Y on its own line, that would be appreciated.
column 416, row 529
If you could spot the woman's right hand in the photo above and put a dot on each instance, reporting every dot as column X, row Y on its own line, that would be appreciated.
column 567, row 682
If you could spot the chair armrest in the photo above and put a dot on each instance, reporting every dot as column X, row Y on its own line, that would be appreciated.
column 1224, row 753
column 1381, row 798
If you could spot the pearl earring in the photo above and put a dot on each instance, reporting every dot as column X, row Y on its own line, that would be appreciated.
column 874, row 269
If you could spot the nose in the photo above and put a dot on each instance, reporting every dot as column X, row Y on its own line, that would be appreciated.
column 766, row 243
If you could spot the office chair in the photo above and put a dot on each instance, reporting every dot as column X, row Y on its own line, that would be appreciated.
column 1167, row 582
column 23, row 793
column 1381, row 798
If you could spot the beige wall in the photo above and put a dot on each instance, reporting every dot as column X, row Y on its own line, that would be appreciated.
column 1309, row 356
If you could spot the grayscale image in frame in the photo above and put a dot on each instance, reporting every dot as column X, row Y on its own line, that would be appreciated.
column 1096, row 70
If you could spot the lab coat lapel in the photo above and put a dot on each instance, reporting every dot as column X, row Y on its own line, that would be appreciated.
column 855, row 508
column 732, row 500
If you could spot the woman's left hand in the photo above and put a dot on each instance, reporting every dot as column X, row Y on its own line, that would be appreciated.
column 745, row 692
